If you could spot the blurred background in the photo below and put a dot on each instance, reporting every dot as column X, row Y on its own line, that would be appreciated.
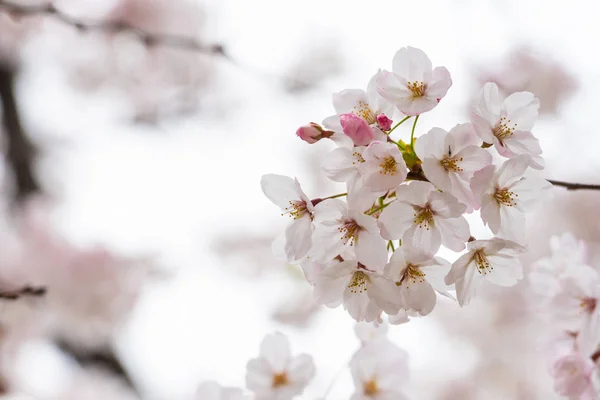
column 134, row 136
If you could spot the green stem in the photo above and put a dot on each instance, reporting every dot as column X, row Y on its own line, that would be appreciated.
column 381, row 207
column 335, row 196
column 412, row 135
column 398, row 124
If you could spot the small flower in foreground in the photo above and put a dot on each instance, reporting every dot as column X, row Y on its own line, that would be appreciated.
column 425, row 218
column 572, row 373
column 379, row 370
column 495, row 260
column 276, row 375
column 384, row 167
column 451, row 158
column 418, row 276
column 363, row 292
column 505, row 196
column 213, row 391
column 507, row 123
column 286, row 193
column 413, row 85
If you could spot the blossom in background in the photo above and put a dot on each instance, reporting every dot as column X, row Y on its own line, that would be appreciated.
column 413, row 86
column 370, row 331
column 379, row 371
column 213, row 391
column 364, row 293
column 507, row 123
column 286, row 193
column 506, row 196
column 495, row 260
column 450, row 159
column 418, row 276
column 425, row 218
column 276, row 374
column 572, row 373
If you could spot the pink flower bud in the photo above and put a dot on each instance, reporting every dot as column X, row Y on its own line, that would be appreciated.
column 357, row 129
column 312, row 133
column 385, row 124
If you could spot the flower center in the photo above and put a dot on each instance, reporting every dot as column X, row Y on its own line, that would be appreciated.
column 506, row 197
column 417, row 88
column 588, row 304
column 482, row 263
column 503, row 130
column 358, row 158
column 364, row 111
column 411, row 274
column 358, row 284
column 423, row 217
column 452, row 164
column 388, row 166
column 349, row 230
column 370, row 388
column 279, row 380
column 296, row 209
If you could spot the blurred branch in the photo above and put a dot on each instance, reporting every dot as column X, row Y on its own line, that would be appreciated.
column 20, row 152
column 147, row 38
column 574, row 186
column 25, row 291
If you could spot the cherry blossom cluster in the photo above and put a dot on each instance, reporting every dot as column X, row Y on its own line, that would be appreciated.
column 375, row 251
column 568, row 291
column 379, row 370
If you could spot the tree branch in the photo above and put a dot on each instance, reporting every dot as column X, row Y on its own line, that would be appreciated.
column 574, row 186
column 20, row 152
column 22, row 292
column 147, row 38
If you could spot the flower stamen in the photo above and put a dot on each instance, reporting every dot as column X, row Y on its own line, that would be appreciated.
column 349, row 230
column 417, row 88
column 370, row 388
column 506, row 197
column 423, row 217
column 483, row 265
column 364, row 111
column 388, row 166
column 358, row 284
column 279, row 380
column 503, row 130
column 452, row 164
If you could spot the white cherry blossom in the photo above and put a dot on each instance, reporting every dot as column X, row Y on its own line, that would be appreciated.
column 507, row 123
column 450, row 159
column 276, row 374
column 364, row 293
column 384, row 167
column 495, row 260
column 418, row 276
column 505, row 196
column 413, row 85
column 425, row 218
column 213, row 391
column 337, row 225
column 286, row 193
column 379, row 371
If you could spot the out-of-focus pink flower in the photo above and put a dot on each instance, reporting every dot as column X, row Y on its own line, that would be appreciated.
column 572, row 374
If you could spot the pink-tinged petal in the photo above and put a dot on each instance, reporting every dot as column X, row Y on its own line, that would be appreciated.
column 463, row 193
column 361, row 197
column 416, row 105
column 587, row 339
column 445, row 205
column 311, row 269
column 279, row 189
column 356, row 304
column 377, row 172
column 378, row 104
column 481, row 182
column 435, row 274
column 330, row 210
column 466, row 287
column 357, row 129
column 431, row 144
column 512, row 171
column 339, row 165
column 473, row 159
column 332, row 282
column 391, row 86
column 490, row 213
column 309, row 133
column 298, row 238
column 371, row 250
column 455, row 232
column 507, row 270
column 384, row 122
column 384, row 293
column 412, row 64
column 531, row 191
column 463, row 135
column 521, row 109
column 276, row 350
column 420, row 296
column 523, row 142
column 489, row 104
column 572, row 376
column 483, row 128
column 440, row 83
column 426, row 239
column 415, row 193
column 459, row 268
column 436, row 173
column 349, row 100
column 395, row 220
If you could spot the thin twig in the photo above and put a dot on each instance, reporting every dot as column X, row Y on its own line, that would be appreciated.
column 22, row 292
column 150, row 39
column 574, row 186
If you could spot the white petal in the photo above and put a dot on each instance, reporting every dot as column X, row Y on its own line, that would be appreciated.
column 466, row 287
column 459, row 268
column 348, row 100
column 461, row 136
column 490, row 213
column 298, row 238
column 395, row 220
column 419, row 296
column 412, row 64
column 391, row 86
column 385, row 293
column 425, row 239
column 301, row 369
column 440, row 83
column 275, row 349
column 279, row 189
column 512, row 224
column 522, row 109
column 512, row 171
column 371, row 250
column 445, row 205
column 455, row 232
column 415, row 193
column 507, row 270
column 259, row 375
column 474, row 158
column 436, row 173
column 330, row 210
column 431, row 144
column 378, row 104
column 482, row 182
column 339, row 165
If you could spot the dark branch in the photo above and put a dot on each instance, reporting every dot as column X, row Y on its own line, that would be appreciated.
column 149, row 39
column 20, row 152
column 574, row 186
column 26, row 291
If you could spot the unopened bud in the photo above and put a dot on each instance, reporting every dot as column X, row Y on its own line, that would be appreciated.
column 385, row 124
column 357, row 129
column 312, row 133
